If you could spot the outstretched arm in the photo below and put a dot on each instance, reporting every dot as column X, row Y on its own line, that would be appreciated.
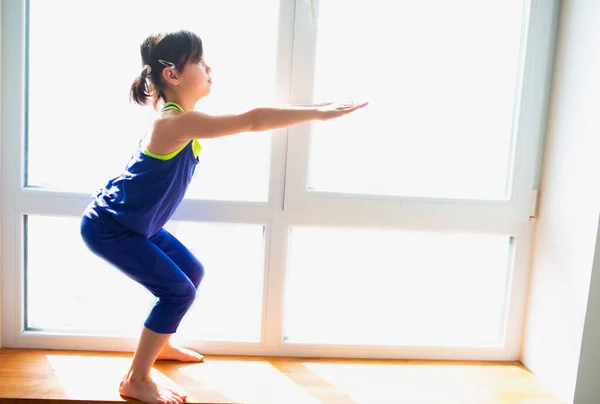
column 197, row 125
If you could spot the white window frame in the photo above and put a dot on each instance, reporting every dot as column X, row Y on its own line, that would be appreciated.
column 289, row 204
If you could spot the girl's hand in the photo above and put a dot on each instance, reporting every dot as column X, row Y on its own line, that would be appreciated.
column 331, row 110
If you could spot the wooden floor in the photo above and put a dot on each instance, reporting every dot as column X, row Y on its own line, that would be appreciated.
column 30, row 376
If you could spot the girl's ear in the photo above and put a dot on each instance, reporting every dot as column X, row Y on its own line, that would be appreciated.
column 170, row 76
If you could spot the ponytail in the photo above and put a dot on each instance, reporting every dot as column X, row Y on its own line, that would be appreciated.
column 141, row 90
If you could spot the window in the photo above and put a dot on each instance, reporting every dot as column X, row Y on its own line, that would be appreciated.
column 383, row 287
column 104, row 127
column 446, row 73
column 70, row 290
column 397, row 231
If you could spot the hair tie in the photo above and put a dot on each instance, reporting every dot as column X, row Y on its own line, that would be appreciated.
column 147, row 70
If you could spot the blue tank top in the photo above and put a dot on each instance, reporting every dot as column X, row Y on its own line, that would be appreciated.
column 149, row 190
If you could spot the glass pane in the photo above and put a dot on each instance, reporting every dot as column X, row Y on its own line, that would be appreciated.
column 440, row 77
column 398, row 288
column 67, row 286
column 102, row 63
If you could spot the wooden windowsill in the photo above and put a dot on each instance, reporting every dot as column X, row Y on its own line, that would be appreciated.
column 42, row 375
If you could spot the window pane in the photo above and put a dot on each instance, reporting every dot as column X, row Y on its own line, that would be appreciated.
column 440, row 77
column 230, row 304
column 68, row 286
column 85, row 70
column 376, row 287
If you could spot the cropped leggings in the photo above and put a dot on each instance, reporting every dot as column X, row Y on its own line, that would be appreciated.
column 161, row 263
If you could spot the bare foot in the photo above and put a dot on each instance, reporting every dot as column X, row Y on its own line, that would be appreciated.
column 175, row 353
column 149, row 392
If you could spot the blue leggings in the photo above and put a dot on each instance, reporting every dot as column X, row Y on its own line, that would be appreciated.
column 163, row 265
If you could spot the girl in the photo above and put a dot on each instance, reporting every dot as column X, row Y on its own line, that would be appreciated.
column 124, row 223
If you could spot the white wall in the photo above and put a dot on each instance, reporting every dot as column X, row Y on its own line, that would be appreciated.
column 588, row 387
column 567, row 222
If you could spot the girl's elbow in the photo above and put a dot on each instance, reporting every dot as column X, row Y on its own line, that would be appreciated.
column 254, row 120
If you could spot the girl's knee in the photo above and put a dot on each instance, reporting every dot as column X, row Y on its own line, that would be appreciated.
column 198, row 275
column 194, row 271
column 185, row 293
column 191, row 294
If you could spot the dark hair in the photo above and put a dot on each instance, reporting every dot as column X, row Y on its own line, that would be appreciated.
column 178, row 48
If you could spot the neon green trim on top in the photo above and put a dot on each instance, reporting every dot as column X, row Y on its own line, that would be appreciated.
column 163, row 156
column 196, row 146
column 172, row 105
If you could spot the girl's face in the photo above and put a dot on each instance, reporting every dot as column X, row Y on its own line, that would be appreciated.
column 196, row 79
